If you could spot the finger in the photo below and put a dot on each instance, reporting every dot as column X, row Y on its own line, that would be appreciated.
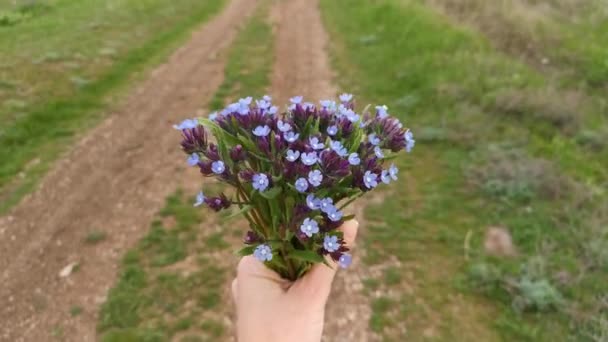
column 234, row 290
column 317, row 283
column 253, row 277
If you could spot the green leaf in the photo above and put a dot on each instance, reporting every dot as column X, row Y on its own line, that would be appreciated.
column 245, row 251
column 272, row 193
column 306, row 255
column 241, row 211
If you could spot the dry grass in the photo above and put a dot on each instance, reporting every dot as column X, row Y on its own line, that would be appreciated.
column 560, row 108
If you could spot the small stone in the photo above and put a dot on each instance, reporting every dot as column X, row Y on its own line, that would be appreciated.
column 67, row 270
column 498, row 242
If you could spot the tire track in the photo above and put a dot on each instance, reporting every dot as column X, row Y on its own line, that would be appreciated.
column 113, row 180
column 302, row 68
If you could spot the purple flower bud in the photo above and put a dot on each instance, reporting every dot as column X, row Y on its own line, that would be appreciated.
column 218, row 203
column 212, row 152
column 247, row 175
column 250, row 238
column 194, row 139
column 237, row 153
column 205, row 168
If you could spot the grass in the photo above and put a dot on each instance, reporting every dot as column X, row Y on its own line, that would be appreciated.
column 171, row 284
column 160, row 292
column 489, row 153
column 95, row 236
column 62, row 66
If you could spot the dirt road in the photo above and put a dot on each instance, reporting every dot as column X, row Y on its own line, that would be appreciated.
column 119, row 174
column 302, row 68
column 114, row 180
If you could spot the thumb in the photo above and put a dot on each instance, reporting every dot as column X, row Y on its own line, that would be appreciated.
column 317, row 282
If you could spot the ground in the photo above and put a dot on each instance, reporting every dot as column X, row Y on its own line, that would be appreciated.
column 496, row 229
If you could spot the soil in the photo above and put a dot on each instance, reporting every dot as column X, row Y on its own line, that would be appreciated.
column 113, row 180
column 302, row 68
column 118, row 175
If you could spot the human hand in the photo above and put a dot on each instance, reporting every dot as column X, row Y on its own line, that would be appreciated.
column 270, row 308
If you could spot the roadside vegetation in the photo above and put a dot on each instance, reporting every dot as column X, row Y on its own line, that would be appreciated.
column 64, row 62
column 499, row 228
column 172, row 285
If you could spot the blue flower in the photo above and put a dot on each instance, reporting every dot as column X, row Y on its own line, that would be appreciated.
column 301, row 184
column 352, row 116
column 328, row 105
column 296, row 99
column 337, row 147
column 273, row 110
column 346, row 97
column 382, row 111
column 283, row 126
column 261, row 131
column 334, row 214
column 373, row 139
column 291, row 136
column 385, row 177
column 263, row 253
column 213, row 116
column 309, row 158
column 392, row 171
column 345, row 260
column 200, row 199
column 193, row 159
column 312, row 202
column 292, row 155
column 262, row 104
column 309, row 227
column 315, row 177
column 267, row 98
column 353, row 159
column 409, row 141
column 218, row 167
column 315, row 144
column 330, row 243
column 378, row 152
column 232, row 108
column 370, row 180
column 308, row 106
column 260, row 182
column 332, row 130
column 326, row 204
column 188, row 123
column 245, row 101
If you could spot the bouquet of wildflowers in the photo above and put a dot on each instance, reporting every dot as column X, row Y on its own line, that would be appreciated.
column 294, row 172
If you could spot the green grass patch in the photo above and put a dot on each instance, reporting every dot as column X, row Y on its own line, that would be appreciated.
column 63, row 64
column 95, row 236
column 249, row 65
column 489, row 153
column 170, row 282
